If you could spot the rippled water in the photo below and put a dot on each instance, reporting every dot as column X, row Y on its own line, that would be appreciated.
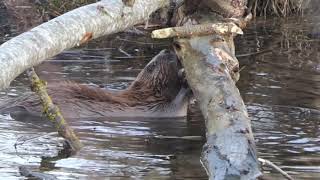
column 280, row 86
column 281, row 89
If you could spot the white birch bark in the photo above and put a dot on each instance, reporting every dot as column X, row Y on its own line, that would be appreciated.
column 69, row 30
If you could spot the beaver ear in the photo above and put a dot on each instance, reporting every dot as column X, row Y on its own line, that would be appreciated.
column 176, row 46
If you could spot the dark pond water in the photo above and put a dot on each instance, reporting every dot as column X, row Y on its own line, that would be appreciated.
column 280, row 87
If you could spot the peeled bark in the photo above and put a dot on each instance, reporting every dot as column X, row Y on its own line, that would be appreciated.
column 69, row 30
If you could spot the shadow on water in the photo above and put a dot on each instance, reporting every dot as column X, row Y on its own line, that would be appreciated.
column 280, row 87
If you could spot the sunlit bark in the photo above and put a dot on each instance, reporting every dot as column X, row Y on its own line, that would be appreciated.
column 69, row 30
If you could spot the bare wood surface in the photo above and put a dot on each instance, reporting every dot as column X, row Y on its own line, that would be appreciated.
column 230, row 148
column 197, row 30
column 212, row 69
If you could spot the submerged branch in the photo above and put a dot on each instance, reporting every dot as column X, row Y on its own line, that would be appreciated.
column 52, row 112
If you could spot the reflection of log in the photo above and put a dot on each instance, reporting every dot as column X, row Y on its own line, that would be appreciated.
column 71, row 29
column 30, row 174
column 47, row 163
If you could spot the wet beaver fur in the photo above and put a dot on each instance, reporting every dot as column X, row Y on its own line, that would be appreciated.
column 158, row 91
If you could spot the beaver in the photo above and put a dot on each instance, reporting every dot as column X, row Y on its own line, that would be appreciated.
column 158, row 91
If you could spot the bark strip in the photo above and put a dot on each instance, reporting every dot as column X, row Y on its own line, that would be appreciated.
column 69, row 30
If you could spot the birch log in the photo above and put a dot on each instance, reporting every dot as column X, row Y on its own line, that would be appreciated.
column 69, row 30
column 230, row 149
column 212, row 69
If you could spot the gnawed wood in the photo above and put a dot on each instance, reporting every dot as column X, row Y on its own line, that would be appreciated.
column 197, row 30
column 230, row 150
column 211, row 69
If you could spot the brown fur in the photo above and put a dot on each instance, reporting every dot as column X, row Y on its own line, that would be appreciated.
column 155, row 89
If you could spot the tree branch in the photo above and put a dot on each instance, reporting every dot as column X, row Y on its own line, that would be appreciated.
column 52, row 112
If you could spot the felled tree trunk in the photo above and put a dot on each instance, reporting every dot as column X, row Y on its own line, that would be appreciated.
column 211, row 71
column 70, row 30
column 229, row 152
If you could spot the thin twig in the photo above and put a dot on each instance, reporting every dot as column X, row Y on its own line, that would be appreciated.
column 269, row 163
column 139, row 42
column 124, row 52
column 193, row 138
column 254, row 53
column 132, row 57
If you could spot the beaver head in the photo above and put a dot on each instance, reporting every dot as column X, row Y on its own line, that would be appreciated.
column 159, row 79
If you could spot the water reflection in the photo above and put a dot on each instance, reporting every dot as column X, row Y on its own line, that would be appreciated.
column 281, row 89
